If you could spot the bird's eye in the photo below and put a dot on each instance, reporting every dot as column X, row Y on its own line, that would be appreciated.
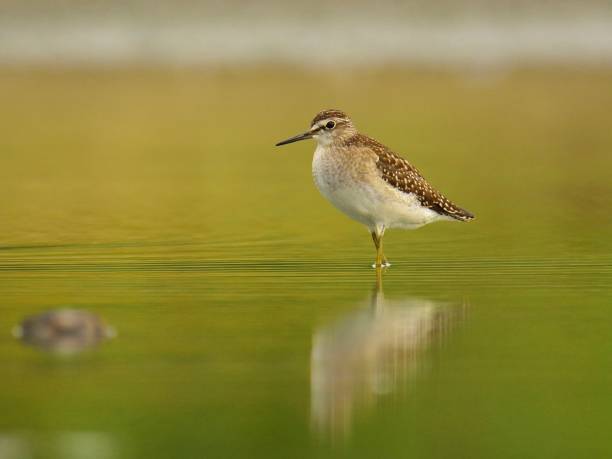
column 330, row 125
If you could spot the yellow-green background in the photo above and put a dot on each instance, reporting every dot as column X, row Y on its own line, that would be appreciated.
column 157, row 199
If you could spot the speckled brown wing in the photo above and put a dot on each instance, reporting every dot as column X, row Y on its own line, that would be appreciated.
column 399, row 173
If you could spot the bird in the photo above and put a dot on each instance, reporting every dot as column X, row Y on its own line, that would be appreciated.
column 370, row 183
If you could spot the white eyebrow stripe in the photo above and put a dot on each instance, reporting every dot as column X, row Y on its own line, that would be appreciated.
column 317, row 127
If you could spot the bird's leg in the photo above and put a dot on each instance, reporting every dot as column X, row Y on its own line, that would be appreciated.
column 384, row 263
column 377, row 245
column 381, row 260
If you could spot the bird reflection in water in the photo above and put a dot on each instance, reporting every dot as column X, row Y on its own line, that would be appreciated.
column 64, row 331
column 373, row 351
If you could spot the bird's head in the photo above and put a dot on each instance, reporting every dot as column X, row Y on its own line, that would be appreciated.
column 326, row 127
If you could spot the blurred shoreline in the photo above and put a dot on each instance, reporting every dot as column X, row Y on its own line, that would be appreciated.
column 479, row 75
column 328, row 41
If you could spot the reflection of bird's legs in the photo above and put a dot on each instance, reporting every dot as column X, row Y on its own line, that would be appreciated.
column 377, row 292
column 381, row 260
column 379, row 282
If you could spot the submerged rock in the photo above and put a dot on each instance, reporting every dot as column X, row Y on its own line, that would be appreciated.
column 64, row 331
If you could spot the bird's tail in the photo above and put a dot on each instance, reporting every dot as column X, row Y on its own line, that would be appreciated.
column 462, row 214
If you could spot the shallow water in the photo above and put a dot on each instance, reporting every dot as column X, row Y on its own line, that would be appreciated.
column 248, row 320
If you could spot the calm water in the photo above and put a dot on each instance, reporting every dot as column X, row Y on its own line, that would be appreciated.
column 249, row 323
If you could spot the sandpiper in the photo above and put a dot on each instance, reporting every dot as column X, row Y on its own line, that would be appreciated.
column 370, row 183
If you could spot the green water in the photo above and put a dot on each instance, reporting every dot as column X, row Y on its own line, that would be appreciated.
column 249, row 322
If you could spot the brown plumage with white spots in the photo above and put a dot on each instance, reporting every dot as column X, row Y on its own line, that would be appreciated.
column 402, row 175
column 370, row 183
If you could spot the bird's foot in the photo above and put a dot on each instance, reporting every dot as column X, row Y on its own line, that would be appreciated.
column 383, row 264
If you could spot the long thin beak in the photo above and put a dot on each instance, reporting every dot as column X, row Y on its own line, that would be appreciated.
column 296, row 138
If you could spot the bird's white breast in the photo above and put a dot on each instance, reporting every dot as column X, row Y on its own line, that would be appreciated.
column 337, row 182
column 354, row 186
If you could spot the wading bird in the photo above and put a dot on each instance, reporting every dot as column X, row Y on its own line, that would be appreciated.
column 371, row 184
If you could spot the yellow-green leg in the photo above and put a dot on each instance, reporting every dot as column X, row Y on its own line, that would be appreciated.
column 381, row 260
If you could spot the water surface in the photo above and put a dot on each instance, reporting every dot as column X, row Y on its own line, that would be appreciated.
column 248, row 320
